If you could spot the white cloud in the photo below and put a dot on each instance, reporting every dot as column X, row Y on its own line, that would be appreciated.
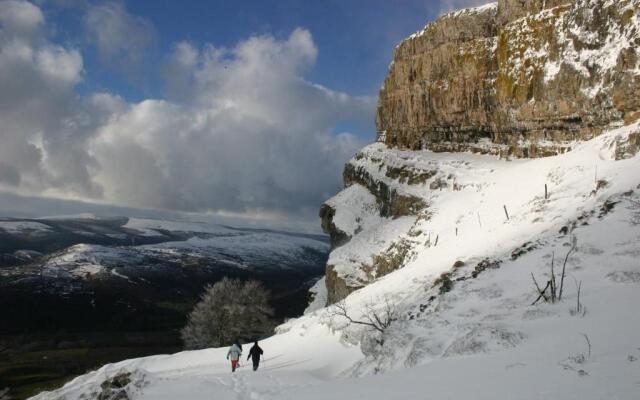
column 252, row 135
column 59, row 65
column 23, row 19
column 37, row 103
column 240, row 132
column 120, row 37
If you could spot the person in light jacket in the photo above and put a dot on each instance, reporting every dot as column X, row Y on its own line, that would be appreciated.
column 234, row 353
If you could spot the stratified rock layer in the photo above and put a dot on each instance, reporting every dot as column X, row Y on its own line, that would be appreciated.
column 518, row 77
column 524, row 78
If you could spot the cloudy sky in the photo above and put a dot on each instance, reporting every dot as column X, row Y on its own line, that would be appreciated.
column 246, row 108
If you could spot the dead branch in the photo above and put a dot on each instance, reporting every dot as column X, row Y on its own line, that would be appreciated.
column 578, row 306
column 588, row 342
column 553, row 278
column 542, row 295
column 564, row 265
column 580, row 309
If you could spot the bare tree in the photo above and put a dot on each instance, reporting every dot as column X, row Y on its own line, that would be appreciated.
column 227, row 310
column 377, row 318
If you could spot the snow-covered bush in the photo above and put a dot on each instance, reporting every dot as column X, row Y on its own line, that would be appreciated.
column 228, row 310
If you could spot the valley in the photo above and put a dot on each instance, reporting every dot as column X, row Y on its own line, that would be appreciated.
column 78, row 292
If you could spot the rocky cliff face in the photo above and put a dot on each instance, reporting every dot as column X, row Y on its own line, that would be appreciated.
column 523, row 78
column 518, row 77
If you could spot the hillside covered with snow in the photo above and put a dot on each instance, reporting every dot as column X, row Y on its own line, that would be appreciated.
column 440, row 282
column 482, row 328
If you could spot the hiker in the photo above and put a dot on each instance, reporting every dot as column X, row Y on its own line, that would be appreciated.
column 255, row 354
column 235, row 351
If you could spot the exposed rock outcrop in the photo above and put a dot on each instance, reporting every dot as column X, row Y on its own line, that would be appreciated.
column 380, row 190
column 392, row 202
column 524, row 78
column 518, row 77
column 336, row 236
column 115, row 388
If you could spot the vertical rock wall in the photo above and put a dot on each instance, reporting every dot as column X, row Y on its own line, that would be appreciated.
column 518, row 77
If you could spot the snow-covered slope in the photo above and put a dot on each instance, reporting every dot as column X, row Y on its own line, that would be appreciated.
column 443, row 251
column 23, row 227
column 473, row 333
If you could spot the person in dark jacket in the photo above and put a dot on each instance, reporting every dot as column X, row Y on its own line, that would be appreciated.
column 255, row 354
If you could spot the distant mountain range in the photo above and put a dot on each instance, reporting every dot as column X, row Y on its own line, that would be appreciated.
column 132, row 265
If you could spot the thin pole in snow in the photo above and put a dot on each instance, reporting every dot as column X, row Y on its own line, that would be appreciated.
column 505, row 212
column 546, row 196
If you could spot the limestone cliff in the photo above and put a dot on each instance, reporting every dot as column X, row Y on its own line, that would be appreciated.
column 518, row 77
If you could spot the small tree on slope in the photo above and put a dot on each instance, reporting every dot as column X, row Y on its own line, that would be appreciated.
column 228, row 310
column 377, row 318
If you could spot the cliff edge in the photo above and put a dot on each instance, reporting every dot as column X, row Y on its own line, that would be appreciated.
column 517, row 79
column 527, row 78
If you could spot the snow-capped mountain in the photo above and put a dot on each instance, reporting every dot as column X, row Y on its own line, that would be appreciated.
column 453, row 224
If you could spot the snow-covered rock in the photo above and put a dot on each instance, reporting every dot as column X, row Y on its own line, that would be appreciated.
column 468, row 197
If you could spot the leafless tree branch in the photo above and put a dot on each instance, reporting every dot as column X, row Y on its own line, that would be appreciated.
column 379, row 320
column 540, row 291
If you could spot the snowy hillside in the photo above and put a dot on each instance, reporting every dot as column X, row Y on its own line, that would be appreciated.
column 473, row 332
column 486, row 247
column 83, row 248
column 206, row 245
